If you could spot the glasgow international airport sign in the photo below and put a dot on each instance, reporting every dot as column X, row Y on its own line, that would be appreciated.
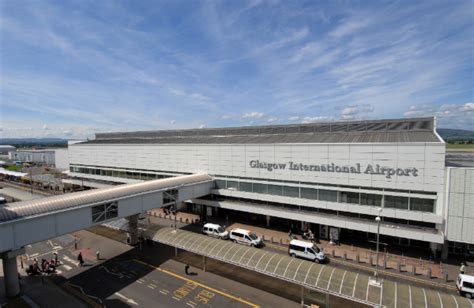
column 355, row 169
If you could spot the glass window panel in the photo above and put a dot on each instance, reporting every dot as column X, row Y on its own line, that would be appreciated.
column 275, row 190
column 349, row 197
column 424, row 205
column 328, row 195
column 371, row 199
column 220, row 184
column 233, row 185
column 291, row 191
column 246, row 186
column 260, row 188
column 309, row 193
column 396, row 202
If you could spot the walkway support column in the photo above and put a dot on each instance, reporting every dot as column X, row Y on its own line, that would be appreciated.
column 133, row 229
column 268, row 220
column 10, row 272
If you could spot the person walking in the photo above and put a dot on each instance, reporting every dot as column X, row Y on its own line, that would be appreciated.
column 56, row 260
column 462, row 269
column 80, row 259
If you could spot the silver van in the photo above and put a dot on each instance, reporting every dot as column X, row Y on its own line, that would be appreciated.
column 306, row 250
column 215, row 230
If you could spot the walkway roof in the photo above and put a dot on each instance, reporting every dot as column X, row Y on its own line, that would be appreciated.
column 323, row 278
column 34, row 207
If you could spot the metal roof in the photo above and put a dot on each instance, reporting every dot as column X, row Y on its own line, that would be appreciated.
column 57, row 203
column 367, row 137
column 319, row 277
column 398, row 130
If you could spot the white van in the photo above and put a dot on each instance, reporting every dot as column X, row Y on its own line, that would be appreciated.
column 306, row 250
column 215, row 231
column 465, row 285
column 245, row 237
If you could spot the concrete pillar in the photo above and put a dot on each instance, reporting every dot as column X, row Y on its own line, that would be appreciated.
column 10, row 272
column 268, row 220
column 444, row 251
column 133, row 229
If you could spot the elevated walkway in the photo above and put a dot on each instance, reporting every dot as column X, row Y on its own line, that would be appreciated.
column 322, row 278
column 27, row 222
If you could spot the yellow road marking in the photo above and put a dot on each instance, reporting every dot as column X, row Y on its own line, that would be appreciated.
column 199, row 284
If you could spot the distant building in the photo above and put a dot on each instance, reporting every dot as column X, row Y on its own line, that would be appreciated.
column 4, row 149
column 51, row 157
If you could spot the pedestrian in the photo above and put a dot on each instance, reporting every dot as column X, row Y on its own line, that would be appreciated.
column 186, row 269
column 80, row 259
column 56, row 259
column 462, row 269
column 290, row 234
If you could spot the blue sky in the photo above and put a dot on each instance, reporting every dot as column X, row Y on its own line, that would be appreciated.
column 73, row 68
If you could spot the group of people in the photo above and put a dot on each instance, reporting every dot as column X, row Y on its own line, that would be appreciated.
column 307, row 235
column 46, row 266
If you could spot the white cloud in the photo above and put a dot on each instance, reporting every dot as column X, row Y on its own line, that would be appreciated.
column 448, row 115
column 172, row 122
column 293, row 118
column 202, row 126
column 272, row 119
column 356, row 112
column 316, row 119
column 253, row 115
column 45, row 127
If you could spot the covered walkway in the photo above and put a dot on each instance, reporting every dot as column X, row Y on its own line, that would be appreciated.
column 27, row 222
column 322, row 278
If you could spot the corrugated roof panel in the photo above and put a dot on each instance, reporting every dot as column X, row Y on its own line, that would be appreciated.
column 56, row 203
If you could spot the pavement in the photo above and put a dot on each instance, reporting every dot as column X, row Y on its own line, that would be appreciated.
column 47, row 290
column 346, row 255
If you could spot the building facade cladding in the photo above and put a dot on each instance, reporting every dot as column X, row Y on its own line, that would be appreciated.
column 37, row 156
column 460, row 213
column 412, row 169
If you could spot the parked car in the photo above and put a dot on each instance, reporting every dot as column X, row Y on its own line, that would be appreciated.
column 246, row 237
column 306, row 250
column 215, row 231
column 465, row 285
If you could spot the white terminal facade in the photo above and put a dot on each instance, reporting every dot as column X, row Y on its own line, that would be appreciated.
column 332, row 177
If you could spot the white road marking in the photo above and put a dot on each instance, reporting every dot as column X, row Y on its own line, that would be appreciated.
column 190, row 305
column 69, row 259
column 32, row 256
column 150, row 286
column 163, row 292
column 129, row 300
column 178, row 299
column 67, row 267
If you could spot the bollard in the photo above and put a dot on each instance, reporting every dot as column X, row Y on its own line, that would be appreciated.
column 344, row 255
column 333, row 253
column 181, row 219
column 445, row 276
column 385, row 262
column 357, row 258
column 281, row 241
column 187, row 220
column 428, row 273
column 413, row 270
column 399, row 267
column 97, row 254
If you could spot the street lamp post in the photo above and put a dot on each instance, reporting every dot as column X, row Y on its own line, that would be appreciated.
column 377, row 219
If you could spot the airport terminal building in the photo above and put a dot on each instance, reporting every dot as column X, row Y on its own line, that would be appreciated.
column 332, row 177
